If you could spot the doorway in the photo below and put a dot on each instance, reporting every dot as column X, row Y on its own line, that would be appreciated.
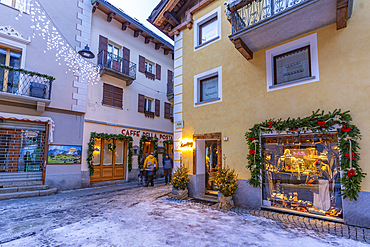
column 212, row 166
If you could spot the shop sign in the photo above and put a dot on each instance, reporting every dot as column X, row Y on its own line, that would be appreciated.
column 139, row 133
column 179, row 124
column 31, row 134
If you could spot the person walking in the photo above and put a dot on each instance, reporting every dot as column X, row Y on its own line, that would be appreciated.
column 167, row 165
column 152, row 159
column 149, row 173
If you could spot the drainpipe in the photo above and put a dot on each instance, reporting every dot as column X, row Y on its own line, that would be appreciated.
column 188, row 23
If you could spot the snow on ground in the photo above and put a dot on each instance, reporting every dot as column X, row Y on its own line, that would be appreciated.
column 142, row 217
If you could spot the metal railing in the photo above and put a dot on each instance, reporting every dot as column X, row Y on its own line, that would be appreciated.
column 260, row 10
column 109, row 60
column 26, row 83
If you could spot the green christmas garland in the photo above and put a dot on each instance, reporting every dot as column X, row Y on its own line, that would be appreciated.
column 319, row 122
column 141, row 151
column 31, row 73
column 119, row 137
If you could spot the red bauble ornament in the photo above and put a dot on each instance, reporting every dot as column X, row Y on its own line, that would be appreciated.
column 252, row 138
column 321, row 123
column 252, row 151
column 293, row 130
column 346, row 129
column 351, row 173
column 353, row 156
column 269, row 124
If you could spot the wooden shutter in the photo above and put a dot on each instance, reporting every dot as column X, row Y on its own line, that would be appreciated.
column 169, row 77
column 107, row 94
column 158, row 71
column 126, row 61
column 141, row 64
column 141, row 103
column 117, row 97
column 167, row 110
column 157, row 107
column 103, row 46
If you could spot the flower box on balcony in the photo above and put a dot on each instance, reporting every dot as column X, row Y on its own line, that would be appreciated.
column 149, row 114
column 149, row 75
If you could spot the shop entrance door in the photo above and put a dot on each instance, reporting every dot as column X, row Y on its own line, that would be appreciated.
column 109, row 160
column 148, row 148
column 212, row 164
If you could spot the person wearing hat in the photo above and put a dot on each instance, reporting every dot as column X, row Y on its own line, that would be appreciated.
column 167, row 165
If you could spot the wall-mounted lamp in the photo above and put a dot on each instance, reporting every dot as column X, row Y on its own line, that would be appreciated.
column 86, row 53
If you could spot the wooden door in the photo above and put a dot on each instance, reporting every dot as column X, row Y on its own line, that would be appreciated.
column 148, row 148
column 112, row 165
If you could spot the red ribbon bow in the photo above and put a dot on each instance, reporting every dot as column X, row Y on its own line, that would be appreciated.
column 353, row 156
column 269, row 124
column 351, row 173
column 346, row 129
column 252, row 138
column 321, row 123
column 252, row 151
column 293, row 130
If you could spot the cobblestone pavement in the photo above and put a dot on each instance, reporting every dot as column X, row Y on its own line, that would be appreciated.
column 288, row 221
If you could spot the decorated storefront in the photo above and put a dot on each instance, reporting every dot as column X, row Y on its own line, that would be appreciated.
column 116, row 153
column 306, row 165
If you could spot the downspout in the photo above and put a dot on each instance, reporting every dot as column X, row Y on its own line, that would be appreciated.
column 188, row 23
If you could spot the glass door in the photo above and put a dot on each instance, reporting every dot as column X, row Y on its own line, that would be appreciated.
column 212, row 165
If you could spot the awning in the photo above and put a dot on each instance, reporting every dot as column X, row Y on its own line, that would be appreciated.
column 30, row 118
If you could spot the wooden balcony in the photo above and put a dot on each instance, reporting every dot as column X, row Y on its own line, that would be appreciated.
column 259, row 24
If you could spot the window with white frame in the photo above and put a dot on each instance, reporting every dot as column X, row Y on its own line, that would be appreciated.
column 292, row 64
column 22, row 5
column 9, row 78
column 149, row 66
column 148, row 104
column 207, row 28
column 208, row 87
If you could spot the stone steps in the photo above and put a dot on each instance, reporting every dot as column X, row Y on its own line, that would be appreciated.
column 10, row 191
column 19, row 184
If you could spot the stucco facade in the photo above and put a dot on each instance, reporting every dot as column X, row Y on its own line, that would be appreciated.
column 343, row 59
column 102, row 118
column 35, row 30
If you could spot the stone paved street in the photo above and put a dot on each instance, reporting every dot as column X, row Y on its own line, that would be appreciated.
column 131, row 215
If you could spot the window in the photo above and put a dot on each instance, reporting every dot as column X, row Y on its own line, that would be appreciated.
column 207, row 29
column 112, row 96
column 22, row 5
column 302, row 172
column 208, row 87
column 114, row 61
column 292, row 64
column 101, row 147
column 168, row 111
column 149, row 67
column 148, row 104
column 10, row 79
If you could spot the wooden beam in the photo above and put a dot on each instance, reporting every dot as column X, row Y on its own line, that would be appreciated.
column 342, row 13
column 166, row 51
column 110, row 16
column 137, row 33
column 171, row 19
column 125, row 25
column 148, row 39
column 158, row 46
column 243, row 48
column 95, row 6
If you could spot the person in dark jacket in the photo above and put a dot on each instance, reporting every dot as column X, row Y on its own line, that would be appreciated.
column 167, row 165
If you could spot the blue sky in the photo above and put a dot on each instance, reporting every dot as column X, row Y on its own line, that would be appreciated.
column 140, row 9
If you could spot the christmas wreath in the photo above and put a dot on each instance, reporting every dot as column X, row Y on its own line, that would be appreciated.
column 321, row 123
column 112, row 146
column 94, row 136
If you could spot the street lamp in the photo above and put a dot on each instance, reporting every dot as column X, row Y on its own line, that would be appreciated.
column 86, row 53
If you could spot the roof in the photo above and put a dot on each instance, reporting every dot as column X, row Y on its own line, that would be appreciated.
column 157, row 10
column 135, row 25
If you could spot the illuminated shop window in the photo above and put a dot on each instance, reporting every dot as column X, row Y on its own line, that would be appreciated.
column 302, row 173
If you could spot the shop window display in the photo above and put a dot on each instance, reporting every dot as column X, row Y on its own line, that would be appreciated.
column 302, row 173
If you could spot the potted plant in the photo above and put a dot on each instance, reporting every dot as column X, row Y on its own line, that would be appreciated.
column 180, row 181
column 226, row 184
